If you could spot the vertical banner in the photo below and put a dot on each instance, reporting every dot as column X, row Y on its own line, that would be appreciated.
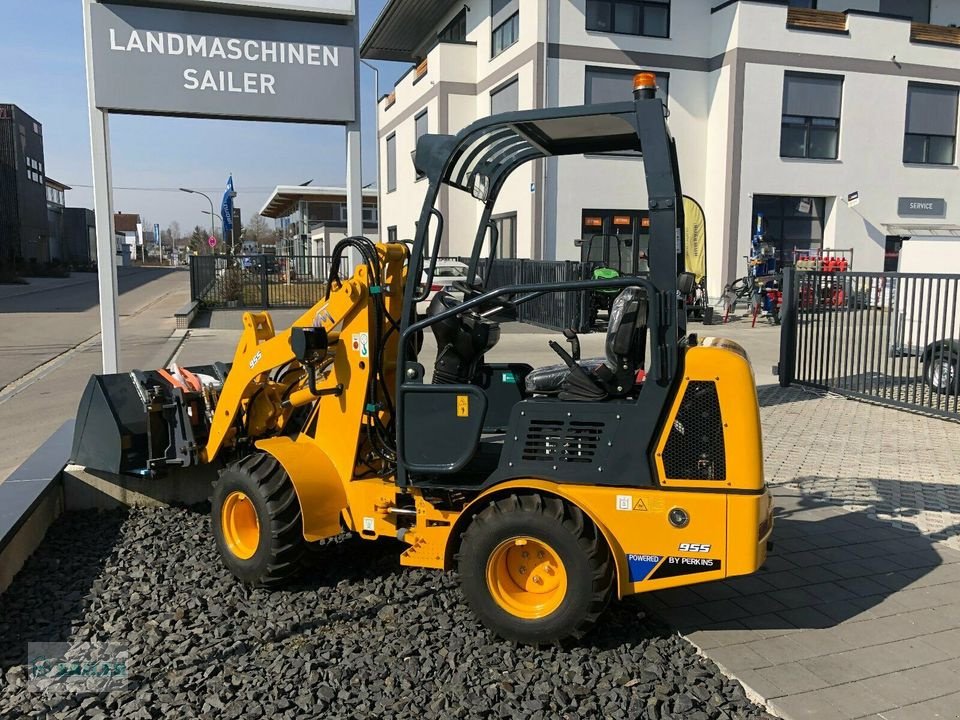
column 695, row 238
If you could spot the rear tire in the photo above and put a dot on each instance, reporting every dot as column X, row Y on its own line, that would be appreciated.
column 535, row 569
column 257, row 521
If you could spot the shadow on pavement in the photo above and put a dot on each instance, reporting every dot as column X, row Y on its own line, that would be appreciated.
column 81, row 295
column 828, row 566
column 773, row 394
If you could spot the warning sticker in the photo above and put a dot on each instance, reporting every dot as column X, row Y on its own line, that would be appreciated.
column 361, row 344
column 463, row 406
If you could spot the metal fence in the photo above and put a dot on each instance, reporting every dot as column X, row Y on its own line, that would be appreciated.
column 556, row 311
column 889, row 337
column 264, row 281
column 258, row 281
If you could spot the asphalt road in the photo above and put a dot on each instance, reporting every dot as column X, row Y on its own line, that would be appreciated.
column 49, row 346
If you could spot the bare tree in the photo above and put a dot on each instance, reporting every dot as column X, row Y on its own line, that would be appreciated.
column 258, row 230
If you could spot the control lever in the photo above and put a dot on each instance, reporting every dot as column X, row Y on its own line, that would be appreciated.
column 571, row 335
column 564, row 355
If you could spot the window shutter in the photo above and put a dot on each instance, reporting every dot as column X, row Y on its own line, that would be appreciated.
column 506, row 99
column 931, row 110
column 812, row 95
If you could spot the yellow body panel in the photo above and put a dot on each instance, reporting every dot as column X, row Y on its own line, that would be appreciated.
column 731, row 371
column 316, row 482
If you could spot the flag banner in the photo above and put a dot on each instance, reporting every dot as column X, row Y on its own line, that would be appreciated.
column 226, row 206
column 695, row 238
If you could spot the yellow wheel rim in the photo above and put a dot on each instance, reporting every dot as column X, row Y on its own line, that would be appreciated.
column 526, row 577
column 241, row 527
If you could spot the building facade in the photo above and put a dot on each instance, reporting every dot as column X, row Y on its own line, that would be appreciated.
column 79, row 236
column 24, row 232
column 828, row 124
column 56, row 204
column 311, row 220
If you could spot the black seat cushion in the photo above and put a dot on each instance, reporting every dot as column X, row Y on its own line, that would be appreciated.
column 548, row 380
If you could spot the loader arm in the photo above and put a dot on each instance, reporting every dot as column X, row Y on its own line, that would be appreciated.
column 261, row 351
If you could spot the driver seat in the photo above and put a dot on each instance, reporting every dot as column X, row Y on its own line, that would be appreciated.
column 600, row 378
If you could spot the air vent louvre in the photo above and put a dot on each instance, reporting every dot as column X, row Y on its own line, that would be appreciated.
column 557, row 441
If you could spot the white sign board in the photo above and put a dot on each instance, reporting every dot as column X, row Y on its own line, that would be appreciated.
column 199, row 64
column 327, row 8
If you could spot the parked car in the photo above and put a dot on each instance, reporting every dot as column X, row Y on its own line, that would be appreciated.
column 928, row 319
column 445, row 274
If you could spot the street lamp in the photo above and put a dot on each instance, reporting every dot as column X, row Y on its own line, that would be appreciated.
column 212, row 216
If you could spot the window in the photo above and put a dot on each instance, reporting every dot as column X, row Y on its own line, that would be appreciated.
column 630, row 17
column 917, row 10
column 391, row 162
column 506, row 235
column 808, row 4
column 616, row 85
column 392, row 234
column 456, row 29
column 505, row 20
column 419, row 130
column 810, row 125
column 506, row 98
column 931, row 127
column 369, row 213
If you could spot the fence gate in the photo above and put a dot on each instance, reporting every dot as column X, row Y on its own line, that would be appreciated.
column 893, row 338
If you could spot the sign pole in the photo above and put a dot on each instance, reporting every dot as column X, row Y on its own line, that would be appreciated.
column 103, row 210
column 354, row 166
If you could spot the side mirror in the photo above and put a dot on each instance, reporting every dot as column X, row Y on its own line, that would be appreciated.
column 578, row 242
column 686, row 283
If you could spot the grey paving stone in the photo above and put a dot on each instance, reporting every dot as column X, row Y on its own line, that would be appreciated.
column 867, row 662
column 792, row 678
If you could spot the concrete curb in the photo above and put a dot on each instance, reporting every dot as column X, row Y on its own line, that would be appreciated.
column 30, row 500
column 46, row 486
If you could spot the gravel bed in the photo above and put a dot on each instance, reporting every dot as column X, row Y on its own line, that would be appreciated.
column 358, row 637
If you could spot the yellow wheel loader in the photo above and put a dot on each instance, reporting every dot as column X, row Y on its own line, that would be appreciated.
column 550, row 491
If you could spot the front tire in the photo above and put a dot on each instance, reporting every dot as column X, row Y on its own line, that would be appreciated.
column 535, row 569
column 257, row 523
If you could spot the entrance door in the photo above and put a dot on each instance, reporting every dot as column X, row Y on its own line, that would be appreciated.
column 891, row 252
column 787, row 224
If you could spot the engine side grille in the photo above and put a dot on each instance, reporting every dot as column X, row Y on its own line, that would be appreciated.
column 558, row 441
column 695, row 448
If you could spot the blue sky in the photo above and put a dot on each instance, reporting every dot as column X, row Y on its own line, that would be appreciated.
column 41, row 53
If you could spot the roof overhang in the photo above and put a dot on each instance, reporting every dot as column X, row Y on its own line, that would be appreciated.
column 56, row 184
column 285, row 198
column 915, row 229
column 400, row 28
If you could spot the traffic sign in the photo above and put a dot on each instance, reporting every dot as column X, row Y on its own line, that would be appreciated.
column 212, row 241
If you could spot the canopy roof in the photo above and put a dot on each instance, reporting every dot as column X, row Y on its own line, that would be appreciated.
column 491, row 148
column 915, row 229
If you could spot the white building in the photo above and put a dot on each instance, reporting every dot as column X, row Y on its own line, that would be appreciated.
column 781, row 111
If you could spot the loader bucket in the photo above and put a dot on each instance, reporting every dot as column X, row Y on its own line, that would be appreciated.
column 140, row 423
